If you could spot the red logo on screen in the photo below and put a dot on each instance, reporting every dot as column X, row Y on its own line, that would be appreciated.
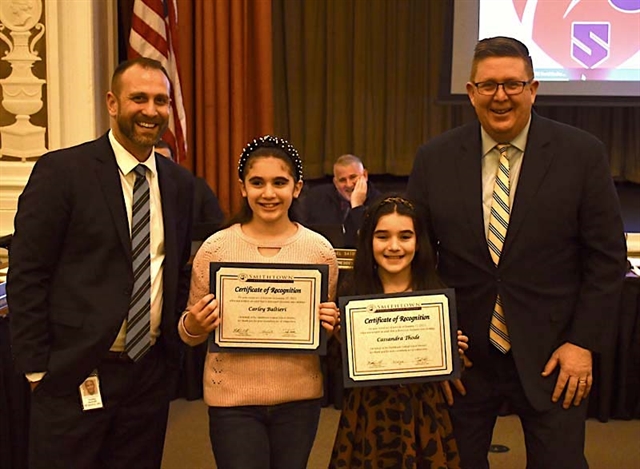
column 586, row 37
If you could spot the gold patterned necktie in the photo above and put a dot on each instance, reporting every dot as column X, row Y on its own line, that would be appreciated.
column 498, row 225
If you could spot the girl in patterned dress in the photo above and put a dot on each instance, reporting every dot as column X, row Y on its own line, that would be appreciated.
column 394, row 426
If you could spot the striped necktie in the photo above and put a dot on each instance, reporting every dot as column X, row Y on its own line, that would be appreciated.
column 498, row 225
column 139, row 317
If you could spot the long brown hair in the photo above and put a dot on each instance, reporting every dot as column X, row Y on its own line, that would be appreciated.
column 365, row 279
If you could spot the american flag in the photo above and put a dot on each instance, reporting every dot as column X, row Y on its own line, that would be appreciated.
column 154, row 34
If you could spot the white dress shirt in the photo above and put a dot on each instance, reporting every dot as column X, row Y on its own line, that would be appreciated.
column 126, row 163
column 490, row 163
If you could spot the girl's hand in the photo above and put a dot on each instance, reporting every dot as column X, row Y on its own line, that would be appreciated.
column 447, row 391
column 202, row 317
column 463, row 343
column 329, row 315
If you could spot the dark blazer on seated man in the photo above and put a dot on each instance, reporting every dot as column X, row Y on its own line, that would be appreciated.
column 72, row 284
column 344, row 201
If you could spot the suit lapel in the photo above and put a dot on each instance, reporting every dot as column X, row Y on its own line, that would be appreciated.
column 537, row 159
column 168, row 193
column 108, row 177
column 469, row 171
column 169, row 197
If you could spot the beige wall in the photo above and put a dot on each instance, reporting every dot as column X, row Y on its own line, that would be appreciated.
column 76, row 56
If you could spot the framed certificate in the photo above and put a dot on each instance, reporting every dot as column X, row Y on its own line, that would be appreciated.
column 269, row 307
column 399, row 338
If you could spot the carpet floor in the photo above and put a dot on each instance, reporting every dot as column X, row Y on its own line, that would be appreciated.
column 615, row 444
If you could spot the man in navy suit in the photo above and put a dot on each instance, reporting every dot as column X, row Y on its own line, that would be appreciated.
column 71, row 281
column 560, row 268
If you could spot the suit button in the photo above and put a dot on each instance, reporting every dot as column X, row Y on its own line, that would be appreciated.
column 498, row 280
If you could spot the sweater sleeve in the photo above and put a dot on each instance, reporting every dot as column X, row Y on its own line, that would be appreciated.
column 199, row 285
column 333, row 275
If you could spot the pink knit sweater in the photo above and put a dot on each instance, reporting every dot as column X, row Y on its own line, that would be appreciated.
column 234, row 379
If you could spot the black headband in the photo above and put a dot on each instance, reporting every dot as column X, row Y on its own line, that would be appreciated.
column 269, row 141
column 396, row 200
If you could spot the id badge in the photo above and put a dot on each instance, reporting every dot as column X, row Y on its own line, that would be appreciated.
column 90, row 392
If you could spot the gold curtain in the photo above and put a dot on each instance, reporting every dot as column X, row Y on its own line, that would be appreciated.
column 355, row 76
column 226, row 69
column 617, row 127
column 361, row 76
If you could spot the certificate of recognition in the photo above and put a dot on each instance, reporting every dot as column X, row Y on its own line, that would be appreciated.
column 269, row 307
column 399, row 338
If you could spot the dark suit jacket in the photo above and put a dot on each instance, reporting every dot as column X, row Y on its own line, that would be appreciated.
column 562, row 264
column 322, row 206
column 71, row 278
column 206, row 208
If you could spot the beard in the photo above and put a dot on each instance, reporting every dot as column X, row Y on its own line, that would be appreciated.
column 128, row 128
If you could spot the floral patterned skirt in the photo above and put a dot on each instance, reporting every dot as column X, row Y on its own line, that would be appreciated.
column 395, row 427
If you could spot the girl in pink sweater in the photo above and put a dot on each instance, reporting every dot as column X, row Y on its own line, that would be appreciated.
column 263, row 407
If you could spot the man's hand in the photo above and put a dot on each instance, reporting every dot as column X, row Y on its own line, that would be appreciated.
column 359, row 194
column 575, row 376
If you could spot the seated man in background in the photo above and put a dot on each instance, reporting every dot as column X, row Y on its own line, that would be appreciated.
column 343, row 202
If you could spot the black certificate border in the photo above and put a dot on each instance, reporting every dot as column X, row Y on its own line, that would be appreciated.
column 214, row 267
column 453, row 327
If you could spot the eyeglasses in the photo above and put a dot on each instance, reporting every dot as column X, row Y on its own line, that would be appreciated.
column 511, row 87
